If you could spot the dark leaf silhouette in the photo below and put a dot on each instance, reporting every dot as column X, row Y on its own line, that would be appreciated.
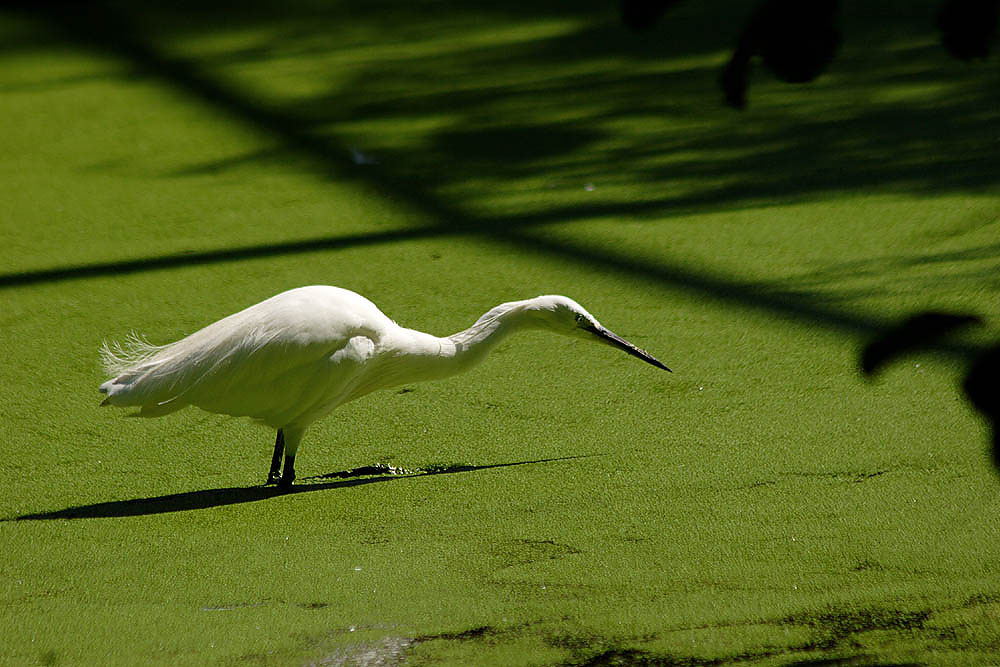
column 642, row 14
column 980, row 386
column 924, row 329
column 909, row 335
column 795, row 40
column 968, row 27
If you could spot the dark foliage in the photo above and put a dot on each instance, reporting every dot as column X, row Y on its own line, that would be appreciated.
column 795, row 40
column 798, row 40
column 642, row 14
column 924, row 329
column 968, row 27
column 911, row 334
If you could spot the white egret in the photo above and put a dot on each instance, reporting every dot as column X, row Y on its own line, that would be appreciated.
column 291, row 359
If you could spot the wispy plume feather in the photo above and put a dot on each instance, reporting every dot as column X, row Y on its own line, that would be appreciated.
column 121, row 356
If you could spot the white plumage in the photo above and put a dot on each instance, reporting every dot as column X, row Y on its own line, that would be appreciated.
column 291, row 359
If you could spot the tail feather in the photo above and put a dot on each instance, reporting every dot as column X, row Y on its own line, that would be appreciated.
column 122, row 357
column 127, row 362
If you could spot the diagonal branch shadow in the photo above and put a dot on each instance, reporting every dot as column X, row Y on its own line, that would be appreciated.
column 117, row 268
column 206, row 498
column 108, row 29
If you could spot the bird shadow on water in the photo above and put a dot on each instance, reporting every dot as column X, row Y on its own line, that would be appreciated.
column 206, row 498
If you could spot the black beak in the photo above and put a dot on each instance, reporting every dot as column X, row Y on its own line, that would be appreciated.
column 615, row 340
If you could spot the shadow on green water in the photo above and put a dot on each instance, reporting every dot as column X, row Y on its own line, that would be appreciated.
column 207, row 498
column 457, row 102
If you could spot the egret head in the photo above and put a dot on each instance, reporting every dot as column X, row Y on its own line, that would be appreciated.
column 565, row 316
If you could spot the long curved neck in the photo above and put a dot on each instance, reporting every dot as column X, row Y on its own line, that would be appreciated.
column 472, row 345
column 429, row 357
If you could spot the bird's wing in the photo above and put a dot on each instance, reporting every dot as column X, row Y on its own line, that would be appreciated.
column 270, row 362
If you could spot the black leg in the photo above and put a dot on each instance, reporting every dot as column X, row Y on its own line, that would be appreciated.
column 289, row 475
column 279, row 450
